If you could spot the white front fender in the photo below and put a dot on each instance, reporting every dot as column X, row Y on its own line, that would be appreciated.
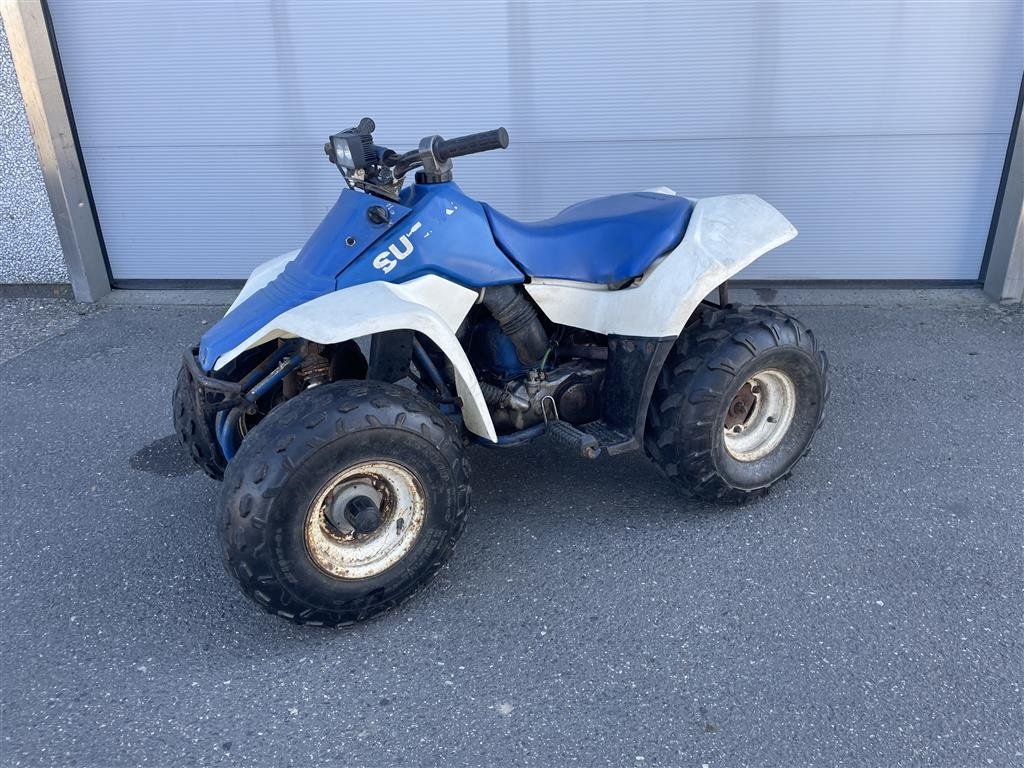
column 429, row 305
column 262, row 275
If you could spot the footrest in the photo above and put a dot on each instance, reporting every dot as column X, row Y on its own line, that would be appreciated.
column 570, row 436
column 606, row 435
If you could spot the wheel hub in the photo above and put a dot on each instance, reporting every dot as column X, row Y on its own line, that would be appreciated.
column 741, row 407
column 760, row 415
column 360, row 513
column 364, row 520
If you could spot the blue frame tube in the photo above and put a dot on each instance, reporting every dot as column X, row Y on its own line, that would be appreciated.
column 427, row 367
column 227, row 422
column 521, row 437
column 250, row 379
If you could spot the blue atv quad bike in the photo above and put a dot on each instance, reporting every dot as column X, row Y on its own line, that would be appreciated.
column 337, row 395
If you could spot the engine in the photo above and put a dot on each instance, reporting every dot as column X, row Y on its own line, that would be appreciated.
column 523, row 378
column 568, row 392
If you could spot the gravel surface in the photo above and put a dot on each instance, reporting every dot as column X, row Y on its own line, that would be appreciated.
column 868, row 612
column 30, row 250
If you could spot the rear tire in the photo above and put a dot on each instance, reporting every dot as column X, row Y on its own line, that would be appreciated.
column 280, row 530
column 737, row 403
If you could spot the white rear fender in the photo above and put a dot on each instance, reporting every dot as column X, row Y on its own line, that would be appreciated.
column 725, row 234
column 429, row 305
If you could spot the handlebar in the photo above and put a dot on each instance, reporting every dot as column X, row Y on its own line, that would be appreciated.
column 382, row 170
column 446, row 149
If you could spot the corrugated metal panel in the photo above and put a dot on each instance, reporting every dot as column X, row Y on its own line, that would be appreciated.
column 878, row 127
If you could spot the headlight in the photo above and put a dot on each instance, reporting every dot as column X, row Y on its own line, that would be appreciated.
column 343, row 152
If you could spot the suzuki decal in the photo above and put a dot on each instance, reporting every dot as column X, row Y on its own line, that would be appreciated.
column 389, row 259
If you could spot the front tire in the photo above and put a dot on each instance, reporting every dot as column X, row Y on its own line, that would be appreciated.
column 283, row 536
column 193, row 432
column 737, row 403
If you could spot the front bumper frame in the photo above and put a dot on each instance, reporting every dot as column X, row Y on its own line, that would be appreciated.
column 229, row 392
column 220, row 404
column 198, row 398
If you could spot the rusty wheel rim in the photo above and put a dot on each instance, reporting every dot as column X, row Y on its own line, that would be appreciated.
column 760, row 415
column 339, row 550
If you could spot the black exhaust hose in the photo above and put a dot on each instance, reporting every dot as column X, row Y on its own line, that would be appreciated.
column 518, row 320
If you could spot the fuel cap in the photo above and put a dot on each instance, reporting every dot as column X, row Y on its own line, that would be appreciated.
column 378, row 214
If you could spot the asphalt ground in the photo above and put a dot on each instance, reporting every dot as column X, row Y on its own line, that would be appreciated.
column 867, row 612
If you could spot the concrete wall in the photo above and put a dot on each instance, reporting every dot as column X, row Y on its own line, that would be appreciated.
column 30, row 251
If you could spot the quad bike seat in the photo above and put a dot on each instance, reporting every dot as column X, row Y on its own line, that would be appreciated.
column 607, row 240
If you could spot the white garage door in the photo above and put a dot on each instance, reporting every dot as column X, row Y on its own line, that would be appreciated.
column 878, row 128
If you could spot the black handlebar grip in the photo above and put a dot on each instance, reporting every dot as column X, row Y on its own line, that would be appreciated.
column 469, row 145
column 366, row 125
